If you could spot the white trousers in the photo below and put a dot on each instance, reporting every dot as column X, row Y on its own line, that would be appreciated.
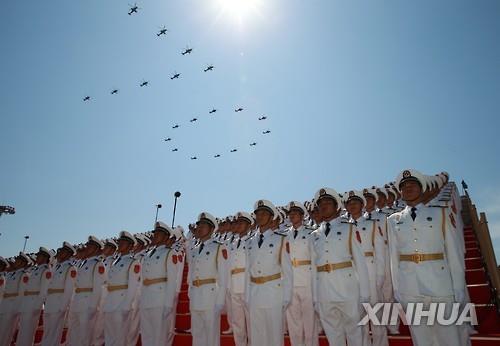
column 229, row 312
column 53, row 325
column 154, row 329
column 241, row 320
column 98, row 339
column 116, row 327
column 378, row 336
column 8, row 325
column 205, row 327
column 266, row 326
column 82, row 328
column 300, row 318
column 133, row 332
column 436, row 334
column 28, row 323
column 171, row 322
column 340, row 322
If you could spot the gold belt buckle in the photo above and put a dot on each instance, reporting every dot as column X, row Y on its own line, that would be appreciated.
column 417, row 258
column 328, row 268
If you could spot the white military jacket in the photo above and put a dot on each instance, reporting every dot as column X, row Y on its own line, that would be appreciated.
column 269, row 274
column 300, row 255
column 123, row 283
column 35, row 284
column 61, row 287
column 89, row 284
column 339, row 272
column 431, row 235
column 237, row 265
column 159, row 278
column 179, row 251
column 13, row 292
column 373, row 244
column 207, row 275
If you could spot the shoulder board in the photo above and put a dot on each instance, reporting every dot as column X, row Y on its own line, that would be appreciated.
column 280, row 233
column 437, row 206
column 218, row 242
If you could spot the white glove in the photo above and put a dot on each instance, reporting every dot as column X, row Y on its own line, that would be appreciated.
column 459, row 296
column 285, row 304
column 166, row 312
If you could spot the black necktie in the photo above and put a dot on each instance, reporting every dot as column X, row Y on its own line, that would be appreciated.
column 201, row 248
column 370, row 216
column 261, row 239
column 295, row 232
column 327, row 230
column 413, row 213
column 238, row 246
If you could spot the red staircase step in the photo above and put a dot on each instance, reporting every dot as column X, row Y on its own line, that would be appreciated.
column 183, row 321
column 476, row 276
column 223, row 323
column 183, row 296
column 473, row 263
column 471, row 253
column 488, row 319
column 480, row 293
column 183, row 307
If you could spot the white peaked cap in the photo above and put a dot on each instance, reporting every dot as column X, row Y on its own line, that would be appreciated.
column 411, row 174
column 327, row 192
column 127, row 236
column 208, row 218
column 354, row 194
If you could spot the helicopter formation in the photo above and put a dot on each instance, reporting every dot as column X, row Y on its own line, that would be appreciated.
column 163, row 31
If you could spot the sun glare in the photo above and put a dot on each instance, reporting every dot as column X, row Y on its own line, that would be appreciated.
column 239, row 9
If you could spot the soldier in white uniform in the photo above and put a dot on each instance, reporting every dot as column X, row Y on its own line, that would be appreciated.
column 178, row 247
column 268, row 278
column 59, row 295
column 90, row 281
column 123, row 282
column 35, row 285
column 373, row 245
column 108, row 256
column 207, row 285
column 236, row 279
column 12, row 297
column 139, row 252
column 300, row 314
column 159, row 283
column 426, row 259
column 340, row 276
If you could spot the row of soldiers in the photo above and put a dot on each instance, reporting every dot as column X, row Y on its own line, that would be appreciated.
column 303, row 267
column 310, row 266
column 104, row 291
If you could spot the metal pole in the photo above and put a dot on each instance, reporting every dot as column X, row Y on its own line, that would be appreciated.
column 158, row 206
column 177, row 194
column 26, row 237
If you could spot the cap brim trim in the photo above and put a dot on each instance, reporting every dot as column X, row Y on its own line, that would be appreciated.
column 264, row 207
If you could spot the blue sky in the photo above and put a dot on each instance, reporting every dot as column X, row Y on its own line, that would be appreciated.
column 354, row 92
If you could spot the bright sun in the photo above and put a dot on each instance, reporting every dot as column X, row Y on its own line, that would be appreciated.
column 239, row 9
